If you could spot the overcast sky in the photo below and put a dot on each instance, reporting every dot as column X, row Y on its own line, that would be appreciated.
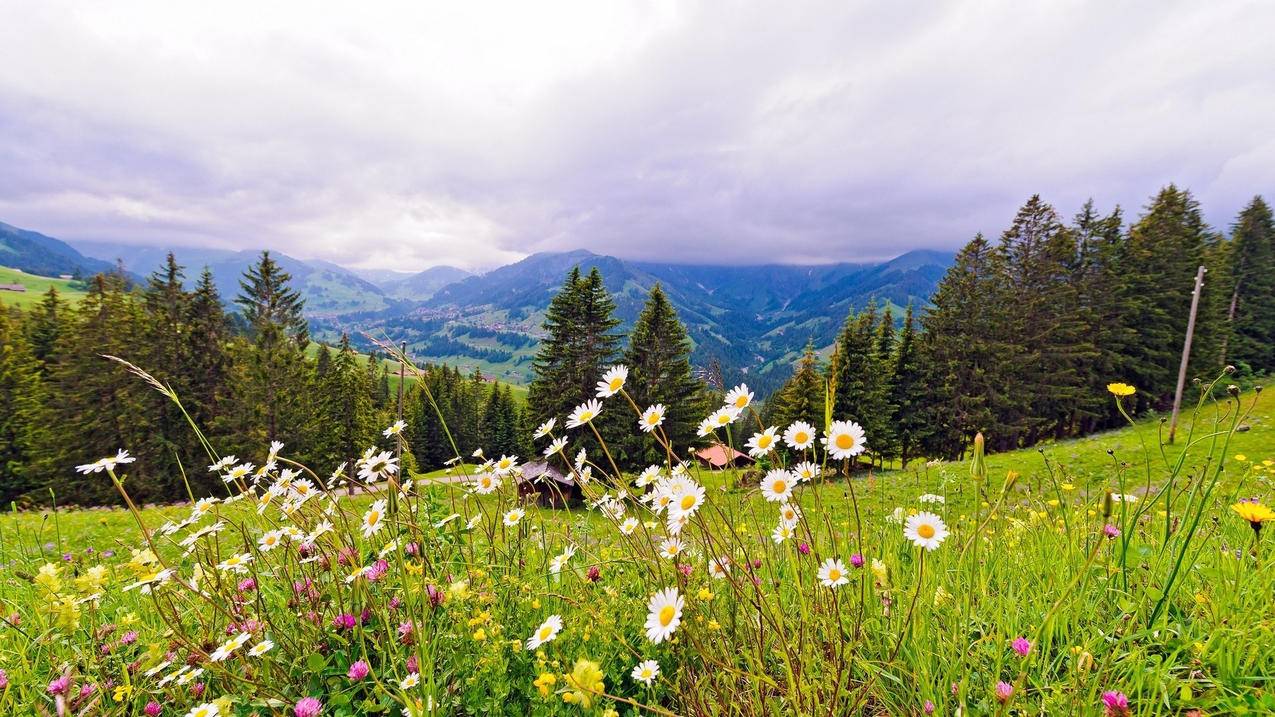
column 472, row 134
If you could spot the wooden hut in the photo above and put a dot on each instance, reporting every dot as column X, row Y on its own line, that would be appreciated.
column 719, row 456
column 548, row 486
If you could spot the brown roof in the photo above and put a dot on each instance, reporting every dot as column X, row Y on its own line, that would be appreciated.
column 715, row 455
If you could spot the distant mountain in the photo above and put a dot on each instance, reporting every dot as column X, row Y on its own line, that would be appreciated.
column 36, row 253
column 329, row 290
column 752, row 320
column 422, row 285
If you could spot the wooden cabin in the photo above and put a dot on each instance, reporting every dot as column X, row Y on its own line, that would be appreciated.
column 719, row 456
column 548, row 486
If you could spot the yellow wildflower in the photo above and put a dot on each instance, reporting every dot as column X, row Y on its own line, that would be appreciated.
column 545, row 682
column 1121, row 389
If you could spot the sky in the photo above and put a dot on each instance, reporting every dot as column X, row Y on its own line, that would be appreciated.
column 408, row 135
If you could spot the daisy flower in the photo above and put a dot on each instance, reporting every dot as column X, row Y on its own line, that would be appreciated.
column 261, row 648
column 648, row 476
column 628, row 526
column 789, row 514
column 413, row 679
column 584, row 413
column 932, row 498
column 925, row 530
column 799, row 435
column 646, row 672
column 718, row 568
column 844, row 440
column 374, row 466
column 374, row 519
column 560, row 561
column 506, row 465
column 651, row 418
column 612, row 381
column 739, row 397
column 762, row 443
column 512, row 517
column 832, row 573
column 486, row 484
column 776, row 487
column 270, row 540
column 705, row 427
column 207, row 709
column 545, row 428
column 546, row 632
column 555, row 446
column 236, row 563
column 806, row 471
column 222, row 464
column 671, row 548
column 394, row 429
column 689, row 501
column 723, row 417
column 782, row 532
column 664, row 615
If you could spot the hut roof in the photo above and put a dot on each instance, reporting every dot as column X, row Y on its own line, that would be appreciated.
column 538, row 470
column 715, row 455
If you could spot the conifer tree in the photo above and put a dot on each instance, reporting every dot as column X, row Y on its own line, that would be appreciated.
column 25, row 443
column 1251, row 300
column 1107, row 310
column 272, row 385
column 907, row 391
column 44, row 328
column 659, row 361
column 345, row 409
column 801, row 398
column 580, row 343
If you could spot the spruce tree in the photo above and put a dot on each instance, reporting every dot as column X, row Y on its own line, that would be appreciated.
column 44, row 328
column 26, row 440
column 908, row 391
column 580, row 344
column 1251, row 300
column 1107, row 309
column 347, row 418
column 659, row 361
column 801, row 398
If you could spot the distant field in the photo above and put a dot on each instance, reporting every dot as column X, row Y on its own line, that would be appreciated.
column 36, row 286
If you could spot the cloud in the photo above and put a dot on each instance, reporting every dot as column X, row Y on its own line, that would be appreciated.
column 409, row 135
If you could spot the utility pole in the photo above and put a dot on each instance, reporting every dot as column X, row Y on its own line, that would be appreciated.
column 1186, row 350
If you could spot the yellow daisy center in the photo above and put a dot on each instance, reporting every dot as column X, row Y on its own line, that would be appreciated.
column 925, row 530
column 763, row 441
column 666, row 615
column 741, row 402
column 779, row 486
column 845, row 441
column 834, row 575
column 616, row 383
column 653, row 418
column 374, row 517
column 688, row 501
column 544, row 632
column 800, row 437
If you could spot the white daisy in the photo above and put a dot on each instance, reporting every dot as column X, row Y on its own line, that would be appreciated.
column 832, row 573
column 671, row 548
column 374, row 519
column 261, row 648
column 646, row 672
column 782, row 532
column 546, row 632
column 776, row 487
column 789, row 514
column 584, row 413
column 651, row 418
column 236, row 563
column 800, row 435
column 925, row 530
column 222, row 464
column 556, row 446
column 648, row 476
column 486, row 483
column 705, row 427
column 506, row 465
column 806, row 471
column 687, row 501
column 664, row 615
column 413, row 679
column 394, row 429
column 207, row 709
column 612, row 381
column 739, row 397
column 762, row 443
column 628, row 526
column 719, row 568
column 514, row 516
column 844, row 439
column 723, row 417
column 545, row 428
column 270, row 540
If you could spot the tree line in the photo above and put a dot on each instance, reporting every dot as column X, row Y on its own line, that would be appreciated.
column 246, row 378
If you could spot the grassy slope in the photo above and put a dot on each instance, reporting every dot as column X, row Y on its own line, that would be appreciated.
column 36, row 286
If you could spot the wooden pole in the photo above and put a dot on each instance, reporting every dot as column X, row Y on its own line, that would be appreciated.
column 1186, row 350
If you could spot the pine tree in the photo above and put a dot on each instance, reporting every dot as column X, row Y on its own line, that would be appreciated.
column 272, row 382
column 801, row 398
column 44, row 329
column 25, row 438
column 1107, row 309
column 1165, row 246
column 345, row 409
column 166, row 353
column 880, row 423
column 580, row 343
column 659, row 362
column 1251, row 300
column 907, row 391
column 854, row 376
column 961, row 352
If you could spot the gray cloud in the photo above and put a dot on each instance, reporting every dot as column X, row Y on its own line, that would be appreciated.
column 699, row 132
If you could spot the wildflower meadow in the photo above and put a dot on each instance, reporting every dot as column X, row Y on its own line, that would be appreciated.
column 1124, row 577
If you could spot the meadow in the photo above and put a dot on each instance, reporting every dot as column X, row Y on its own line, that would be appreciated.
column 1113, row 575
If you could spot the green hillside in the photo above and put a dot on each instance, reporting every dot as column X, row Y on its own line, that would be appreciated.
column 36, row 286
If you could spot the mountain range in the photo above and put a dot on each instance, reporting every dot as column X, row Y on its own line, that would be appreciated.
column 751, row 322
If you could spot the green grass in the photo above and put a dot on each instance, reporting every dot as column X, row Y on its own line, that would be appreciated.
column 36, row 288
column 1180, row 622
